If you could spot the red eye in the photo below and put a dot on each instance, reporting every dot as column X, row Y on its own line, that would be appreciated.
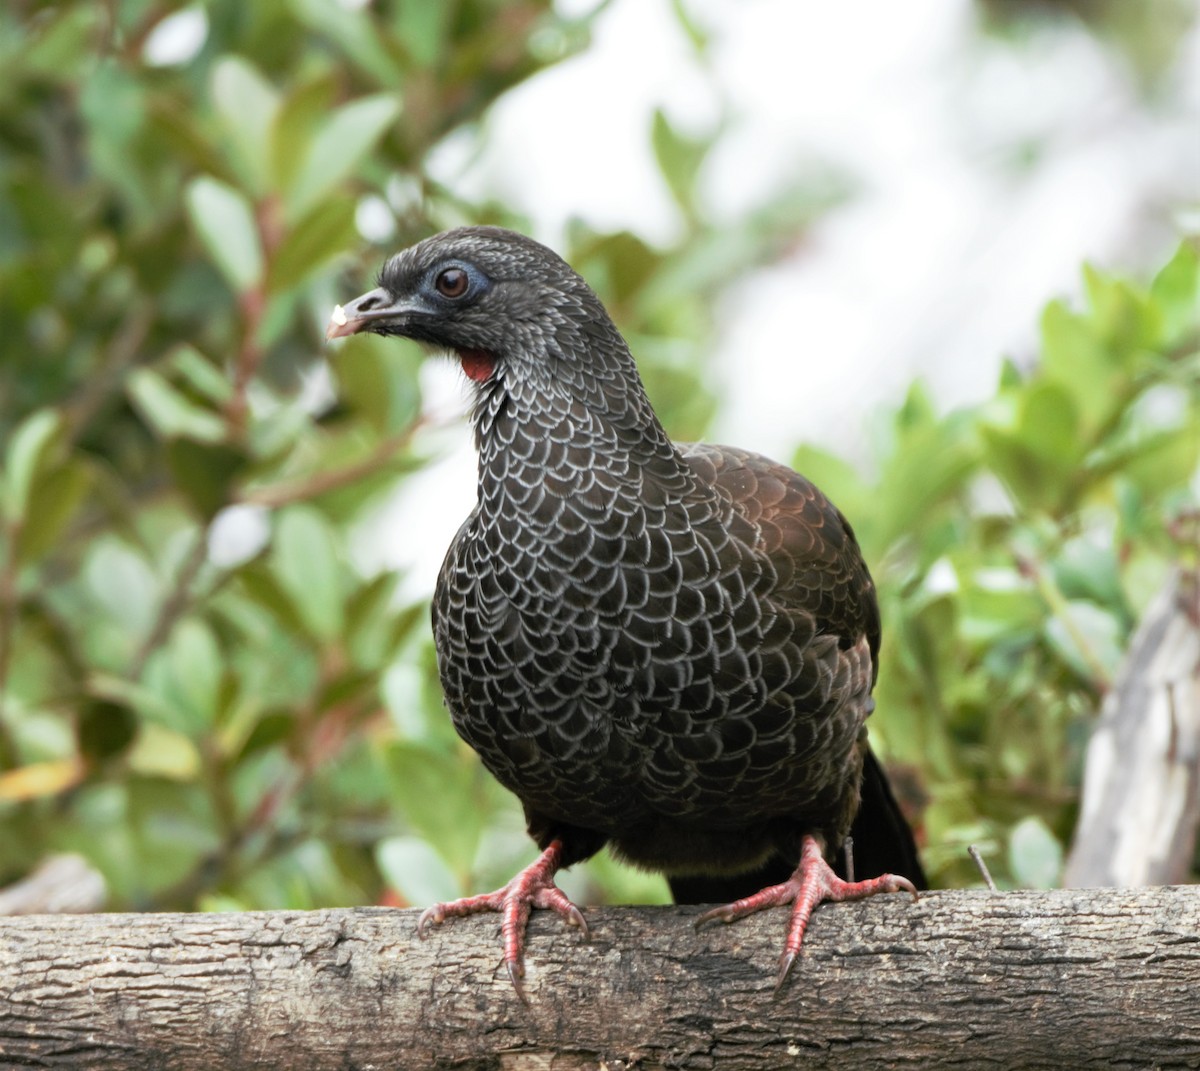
column 452, row 283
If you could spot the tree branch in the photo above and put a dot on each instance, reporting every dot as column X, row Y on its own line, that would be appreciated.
column 1080, row 979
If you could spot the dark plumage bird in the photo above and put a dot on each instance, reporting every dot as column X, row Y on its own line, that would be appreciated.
column 669, row 648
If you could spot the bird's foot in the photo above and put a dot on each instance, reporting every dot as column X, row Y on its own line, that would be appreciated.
column 813, row 882
column 532, row 887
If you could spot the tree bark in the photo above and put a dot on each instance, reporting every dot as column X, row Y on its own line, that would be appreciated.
column 1078, row 979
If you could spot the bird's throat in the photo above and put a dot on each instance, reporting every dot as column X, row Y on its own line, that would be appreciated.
column 478, row 364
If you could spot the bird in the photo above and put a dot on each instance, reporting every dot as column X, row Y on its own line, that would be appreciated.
column 666, row 648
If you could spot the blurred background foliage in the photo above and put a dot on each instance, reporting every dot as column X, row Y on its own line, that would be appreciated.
column 205, row 693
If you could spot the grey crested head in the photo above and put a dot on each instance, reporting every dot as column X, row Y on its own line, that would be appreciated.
column 519, row 318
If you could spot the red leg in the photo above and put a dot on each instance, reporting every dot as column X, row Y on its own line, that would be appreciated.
column 532, row 887
column 813, row 882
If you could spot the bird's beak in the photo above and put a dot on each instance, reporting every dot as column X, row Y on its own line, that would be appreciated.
column 368, row 308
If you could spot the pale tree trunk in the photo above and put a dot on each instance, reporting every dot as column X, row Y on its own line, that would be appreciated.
column 1141, row 789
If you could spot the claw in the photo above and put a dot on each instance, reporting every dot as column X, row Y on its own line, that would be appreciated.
column 785, row 968
column 575, row 918
column 724, row 913
column 812, row 883
column 532, row 887
column 430, row 914
column 516, row 975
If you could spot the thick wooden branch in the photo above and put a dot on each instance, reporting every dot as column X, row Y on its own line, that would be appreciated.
column 1080, row 979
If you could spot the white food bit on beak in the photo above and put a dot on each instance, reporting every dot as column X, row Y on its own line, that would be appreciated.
column 339, row 316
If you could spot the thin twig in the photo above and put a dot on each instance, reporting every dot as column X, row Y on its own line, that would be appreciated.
column 318, row 483
column 974, row 852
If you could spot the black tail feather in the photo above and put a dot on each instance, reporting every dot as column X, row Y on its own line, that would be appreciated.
column 883, row 839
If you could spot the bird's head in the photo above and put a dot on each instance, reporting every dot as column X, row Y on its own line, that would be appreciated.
column 494, row 297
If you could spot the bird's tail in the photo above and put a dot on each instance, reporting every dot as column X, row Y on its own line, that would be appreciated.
column 883, row 844
column 883, row 839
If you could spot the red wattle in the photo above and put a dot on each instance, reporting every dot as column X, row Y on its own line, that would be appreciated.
column 478, row 364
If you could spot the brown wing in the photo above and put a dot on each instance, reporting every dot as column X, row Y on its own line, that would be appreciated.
column 820, row 567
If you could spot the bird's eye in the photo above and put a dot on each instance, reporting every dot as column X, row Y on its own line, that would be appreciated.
column 452, row 282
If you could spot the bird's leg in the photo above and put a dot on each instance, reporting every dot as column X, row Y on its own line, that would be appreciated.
column 813, row 882
column 532, row 887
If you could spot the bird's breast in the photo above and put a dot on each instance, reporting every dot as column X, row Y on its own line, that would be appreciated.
column 611, row 654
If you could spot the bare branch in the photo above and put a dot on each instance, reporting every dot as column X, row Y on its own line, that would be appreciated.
column 1075, row 979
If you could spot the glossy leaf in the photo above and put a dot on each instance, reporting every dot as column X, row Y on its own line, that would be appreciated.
column 171, row 412
column 247, row 104
column 52, row 505
column 195, row 671
column 225, row 222
column 205, row 473
column 29, row 451
column 306, row 560
column 315, row 240
column 338, row 147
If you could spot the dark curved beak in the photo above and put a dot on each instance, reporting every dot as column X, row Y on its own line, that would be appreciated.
column 359, row 314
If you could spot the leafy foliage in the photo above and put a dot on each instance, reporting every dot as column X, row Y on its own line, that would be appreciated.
column 201, row 691
column 1015, row 545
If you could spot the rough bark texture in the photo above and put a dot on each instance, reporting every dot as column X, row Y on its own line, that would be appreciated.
column 961, row 980
column 1141, row 789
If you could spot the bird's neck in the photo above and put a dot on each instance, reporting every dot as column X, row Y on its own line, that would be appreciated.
column 567, row 426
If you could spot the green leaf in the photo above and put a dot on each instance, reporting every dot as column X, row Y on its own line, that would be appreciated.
column 423, row 29
column 170, row 412
column 356, row 33
column 225, row 222
column 30, row 450
column 121, row 583
column 1087, row 568
column 205, row 473
column 1088, row 639
column 369, row 620
column 200, row 374
column 420, row 775
column 247, row 104
column 992, row 610
column 195, row 671
column 339, row 147
column 414, row 869
column 327, row 231
column 271, row 729
column 1034, row 855
column 302, row 111
column 1077, row 359
column 928, row 467
column 1177, row 290
column 307, row 561
column 377, row 378
column 162, row 752
column 679, row 159
column 62, row 40
column 52, row 503
column 262, row 586
column 1033, row 443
